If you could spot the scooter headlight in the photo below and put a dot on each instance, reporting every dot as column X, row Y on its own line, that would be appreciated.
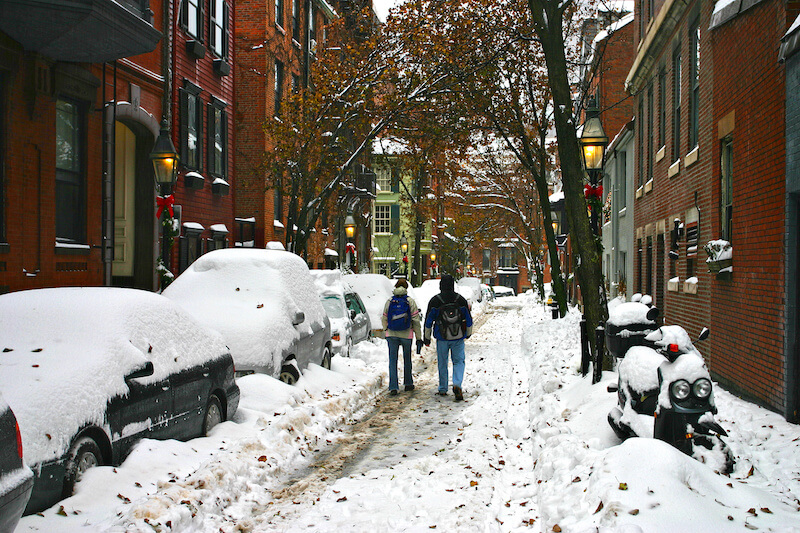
column 701, row 388
column 680, row 390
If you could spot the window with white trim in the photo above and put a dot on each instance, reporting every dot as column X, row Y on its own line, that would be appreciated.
column 382, row 219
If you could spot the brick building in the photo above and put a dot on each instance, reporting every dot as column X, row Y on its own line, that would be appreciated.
column 71, row 77
column 202, row 98
column 710, row 164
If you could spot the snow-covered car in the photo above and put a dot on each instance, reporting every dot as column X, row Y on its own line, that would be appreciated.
column 488, row 293
column 475, row 285
column 350, row 322
column 16, row 478
column 265, row 305
column 375, row 290
column 500, row 291
column 89, row 371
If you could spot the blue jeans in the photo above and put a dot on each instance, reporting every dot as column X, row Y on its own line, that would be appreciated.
column 394, row 347
column 456, row 350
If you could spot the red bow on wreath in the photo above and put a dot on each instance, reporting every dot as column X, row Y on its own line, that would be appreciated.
column 165, row 201
column 592, row 191
column 350, row 248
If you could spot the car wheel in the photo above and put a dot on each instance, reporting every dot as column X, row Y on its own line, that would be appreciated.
column 326, row 355
column 213, row 415
column 83, row 455
column 289, row 372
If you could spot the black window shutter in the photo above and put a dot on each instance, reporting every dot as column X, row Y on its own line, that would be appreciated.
column 395, row 218
column 211, row 129
column 201, row 22
column 395, row 180
column 199, row 108
column 224, row 119
column 183, row 104
column 184, row 14
column 226, row 24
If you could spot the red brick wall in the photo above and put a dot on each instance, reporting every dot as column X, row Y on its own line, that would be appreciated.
column 615, row 104
column 203, row 206
column 746, row 348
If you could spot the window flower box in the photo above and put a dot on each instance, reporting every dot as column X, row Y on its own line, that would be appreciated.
column 194, row 180
column 220, row 187
column 720, row 256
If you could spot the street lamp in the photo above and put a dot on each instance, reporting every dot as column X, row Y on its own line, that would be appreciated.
column 404, row 249
column 350, row 226
column 593, row 143
column 165, row 160
column 433, row 264
column 165, row 167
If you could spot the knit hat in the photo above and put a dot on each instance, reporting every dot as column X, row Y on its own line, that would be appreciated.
column 401, row 283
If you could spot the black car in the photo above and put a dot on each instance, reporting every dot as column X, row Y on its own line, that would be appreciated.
column 16, row 479
column 91, row 371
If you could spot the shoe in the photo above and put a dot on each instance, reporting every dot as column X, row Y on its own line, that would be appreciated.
column 440, row 393
column 409, row 387
column 392, row 393
column 458, row 394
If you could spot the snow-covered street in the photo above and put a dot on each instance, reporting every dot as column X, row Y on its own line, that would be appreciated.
column 529, row 449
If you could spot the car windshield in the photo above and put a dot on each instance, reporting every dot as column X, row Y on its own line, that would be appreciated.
column 333, row 306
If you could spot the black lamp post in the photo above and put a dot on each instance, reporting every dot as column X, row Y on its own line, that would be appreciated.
column 593, row 143
column 165, row 165
column 404, row 249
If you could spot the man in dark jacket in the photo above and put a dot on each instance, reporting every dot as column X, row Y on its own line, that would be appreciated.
column 451, row 321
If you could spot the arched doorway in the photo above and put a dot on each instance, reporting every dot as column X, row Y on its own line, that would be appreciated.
column 135, row 237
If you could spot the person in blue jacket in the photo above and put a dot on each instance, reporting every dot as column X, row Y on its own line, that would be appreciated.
column 450, row 320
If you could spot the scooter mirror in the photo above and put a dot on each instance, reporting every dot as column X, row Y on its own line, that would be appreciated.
column 704, row 334
column 653, row 313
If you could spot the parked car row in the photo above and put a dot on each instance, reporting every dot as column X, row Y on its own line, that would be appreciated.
column 88, row 372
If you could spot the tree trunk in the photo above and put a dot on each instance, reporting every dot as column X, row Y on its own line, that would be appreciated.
column 588, row 271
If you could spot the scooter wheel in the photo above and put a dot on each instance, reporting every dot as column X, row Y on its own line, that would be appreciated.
column 713, row 451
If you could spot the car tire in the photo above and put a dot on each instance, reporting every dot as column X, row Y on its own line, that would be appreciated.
column 326, row 355
column 213, row 415
column 289, row 372
column 83, row 455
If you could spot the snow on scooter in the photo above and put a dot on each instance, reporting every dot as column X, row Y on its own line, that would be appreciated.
column 664, row 389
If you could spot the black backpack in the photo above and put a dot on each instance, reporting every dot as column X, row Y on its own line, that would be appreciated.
column 450, row 321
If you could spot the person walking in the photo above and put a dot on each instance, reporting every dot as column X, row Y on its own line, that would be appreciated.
column 450, row 319
column 401, row 322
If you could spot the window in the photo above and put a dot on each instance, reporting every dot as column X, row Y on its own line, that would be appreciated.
column 384, row 179
column 295, row 83
column 70, row 179
column 640, row 144
column 662, row 105
column 382, row 219
column 218, row 39
column 191, row 245
column 277, row 201
column 726, row 190
column 296, row 20
column 191, row 111
column 508, row 257
column 676, row 102
column 694, row 84
column 649, row 280
column 279, row 12
column 218, row 239
column 650, row 127
column 246, row 232
column 638, row 265
column 192, row 18
column 217, row 138
column 486, row 262
column 622, row 179
column 278, row 87
column 312, row 29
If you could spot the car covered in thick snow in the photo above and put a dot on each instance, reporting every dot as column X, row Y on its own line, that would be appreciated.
column 89, row 371
column 265, row 305
column 350, row 322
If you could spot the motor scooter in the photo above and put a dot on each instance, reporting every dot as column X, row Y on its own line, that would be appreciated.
column 664, row 389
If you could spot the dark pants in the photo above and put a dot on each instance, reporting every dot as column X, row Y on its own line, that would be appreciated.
column 394, row 348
